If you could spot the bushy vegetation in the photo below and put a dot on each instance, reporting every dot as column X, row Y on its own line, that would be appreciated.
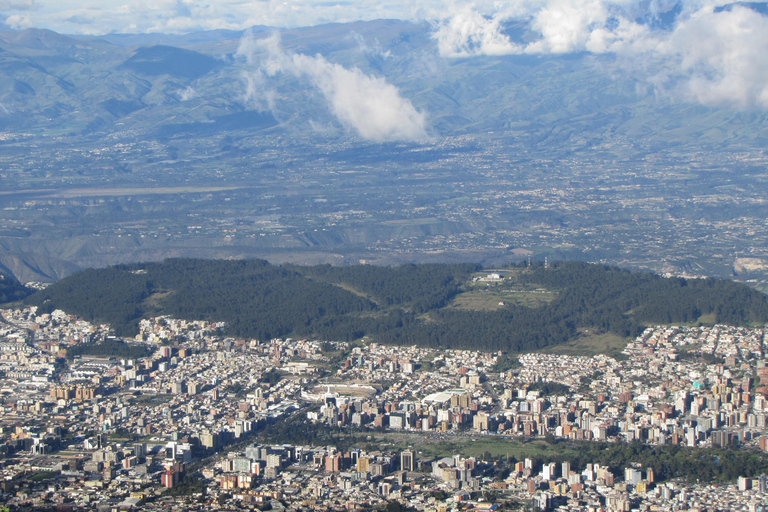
column 617, row 300
column 406, row 306
column 188, row 486
column 549, row 388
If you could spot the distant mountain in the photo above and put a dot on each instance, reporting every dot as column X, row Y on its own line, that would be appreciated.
column 167, row 60
column 27, row 267
column 88, row 85
column 139, row 147
column 42, row 39
column 178, row 40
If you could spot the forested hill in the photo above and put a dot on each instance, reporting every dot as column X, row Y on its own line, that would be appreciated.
column 408, row 304
column 11, row 290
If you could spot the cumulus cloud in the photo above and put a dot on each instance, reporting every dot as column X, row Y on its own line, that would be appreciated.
column 726, row 56
column 19, row 21
column 715, row 56
column 715, row 50
column 367, row 104
column 468, row 32
column 563, row 26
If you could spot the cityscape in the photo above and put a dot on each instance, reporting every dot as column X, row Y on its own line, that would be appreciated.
column 189, row 426
column 435, row 256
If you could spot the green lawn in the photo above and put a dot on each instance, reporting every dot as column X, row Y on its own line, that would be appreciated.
column 589, row 343
column 466, row 445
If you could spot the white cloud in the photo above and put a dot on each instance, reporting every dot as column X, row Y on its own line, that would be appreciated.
column 717, row 58
column 725, row 54
column 468, row 32
column 19, row 21
column 369, row 105
column 369, row 49
column 187, row 94
column 563, row 26
column 258, row 93
column 566, row 25
column 707, row 55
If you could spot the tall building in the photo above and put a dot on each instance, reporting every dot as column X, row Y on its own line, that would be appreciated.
column 169, row 479
column 407, row 461
column 333, row 463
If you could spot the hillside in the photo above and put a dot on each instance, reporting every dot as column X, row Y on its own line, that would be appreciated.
column 11, row 290
column 408, row 304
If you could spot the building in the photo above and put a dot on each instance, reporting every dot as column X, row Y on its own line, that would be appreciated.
column 407, row 461
column 169, row 479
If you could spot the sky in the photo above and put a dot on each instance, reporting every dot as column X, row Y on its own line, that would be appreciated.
column 98, row 17
column 180, row 16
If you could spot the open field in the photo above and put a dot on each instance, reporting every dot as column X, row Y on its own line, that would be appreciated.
column 589, row 344
column 434, row 446
column 493, row 295
column 708, row 319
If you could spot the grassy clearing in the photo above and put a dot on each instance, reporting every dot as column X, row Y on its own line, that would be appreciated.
column 44, row 475
column 152, row 399
column 357, row 292
column 478, row 301
column 480, row 297
column 432, row 447
column 589, row 343
column 153, row 301
column 493, row 295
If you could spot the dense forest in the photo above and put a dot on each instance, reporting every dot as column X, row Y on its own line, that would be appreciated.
column 404, row 305
column 11, row 290
column 255, row 298
column 420, row 288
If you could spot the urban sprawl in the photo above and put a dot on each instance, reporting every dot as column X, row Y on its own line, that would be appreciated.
column 179, row 430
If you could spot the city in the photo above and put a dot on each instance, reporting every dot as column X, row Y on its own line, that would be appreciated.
column 437, row 256
column 185, row 426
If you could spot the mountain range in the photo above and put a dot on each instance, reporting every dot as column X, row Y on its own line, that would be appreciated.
column 160, row 85
column 271, row 143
